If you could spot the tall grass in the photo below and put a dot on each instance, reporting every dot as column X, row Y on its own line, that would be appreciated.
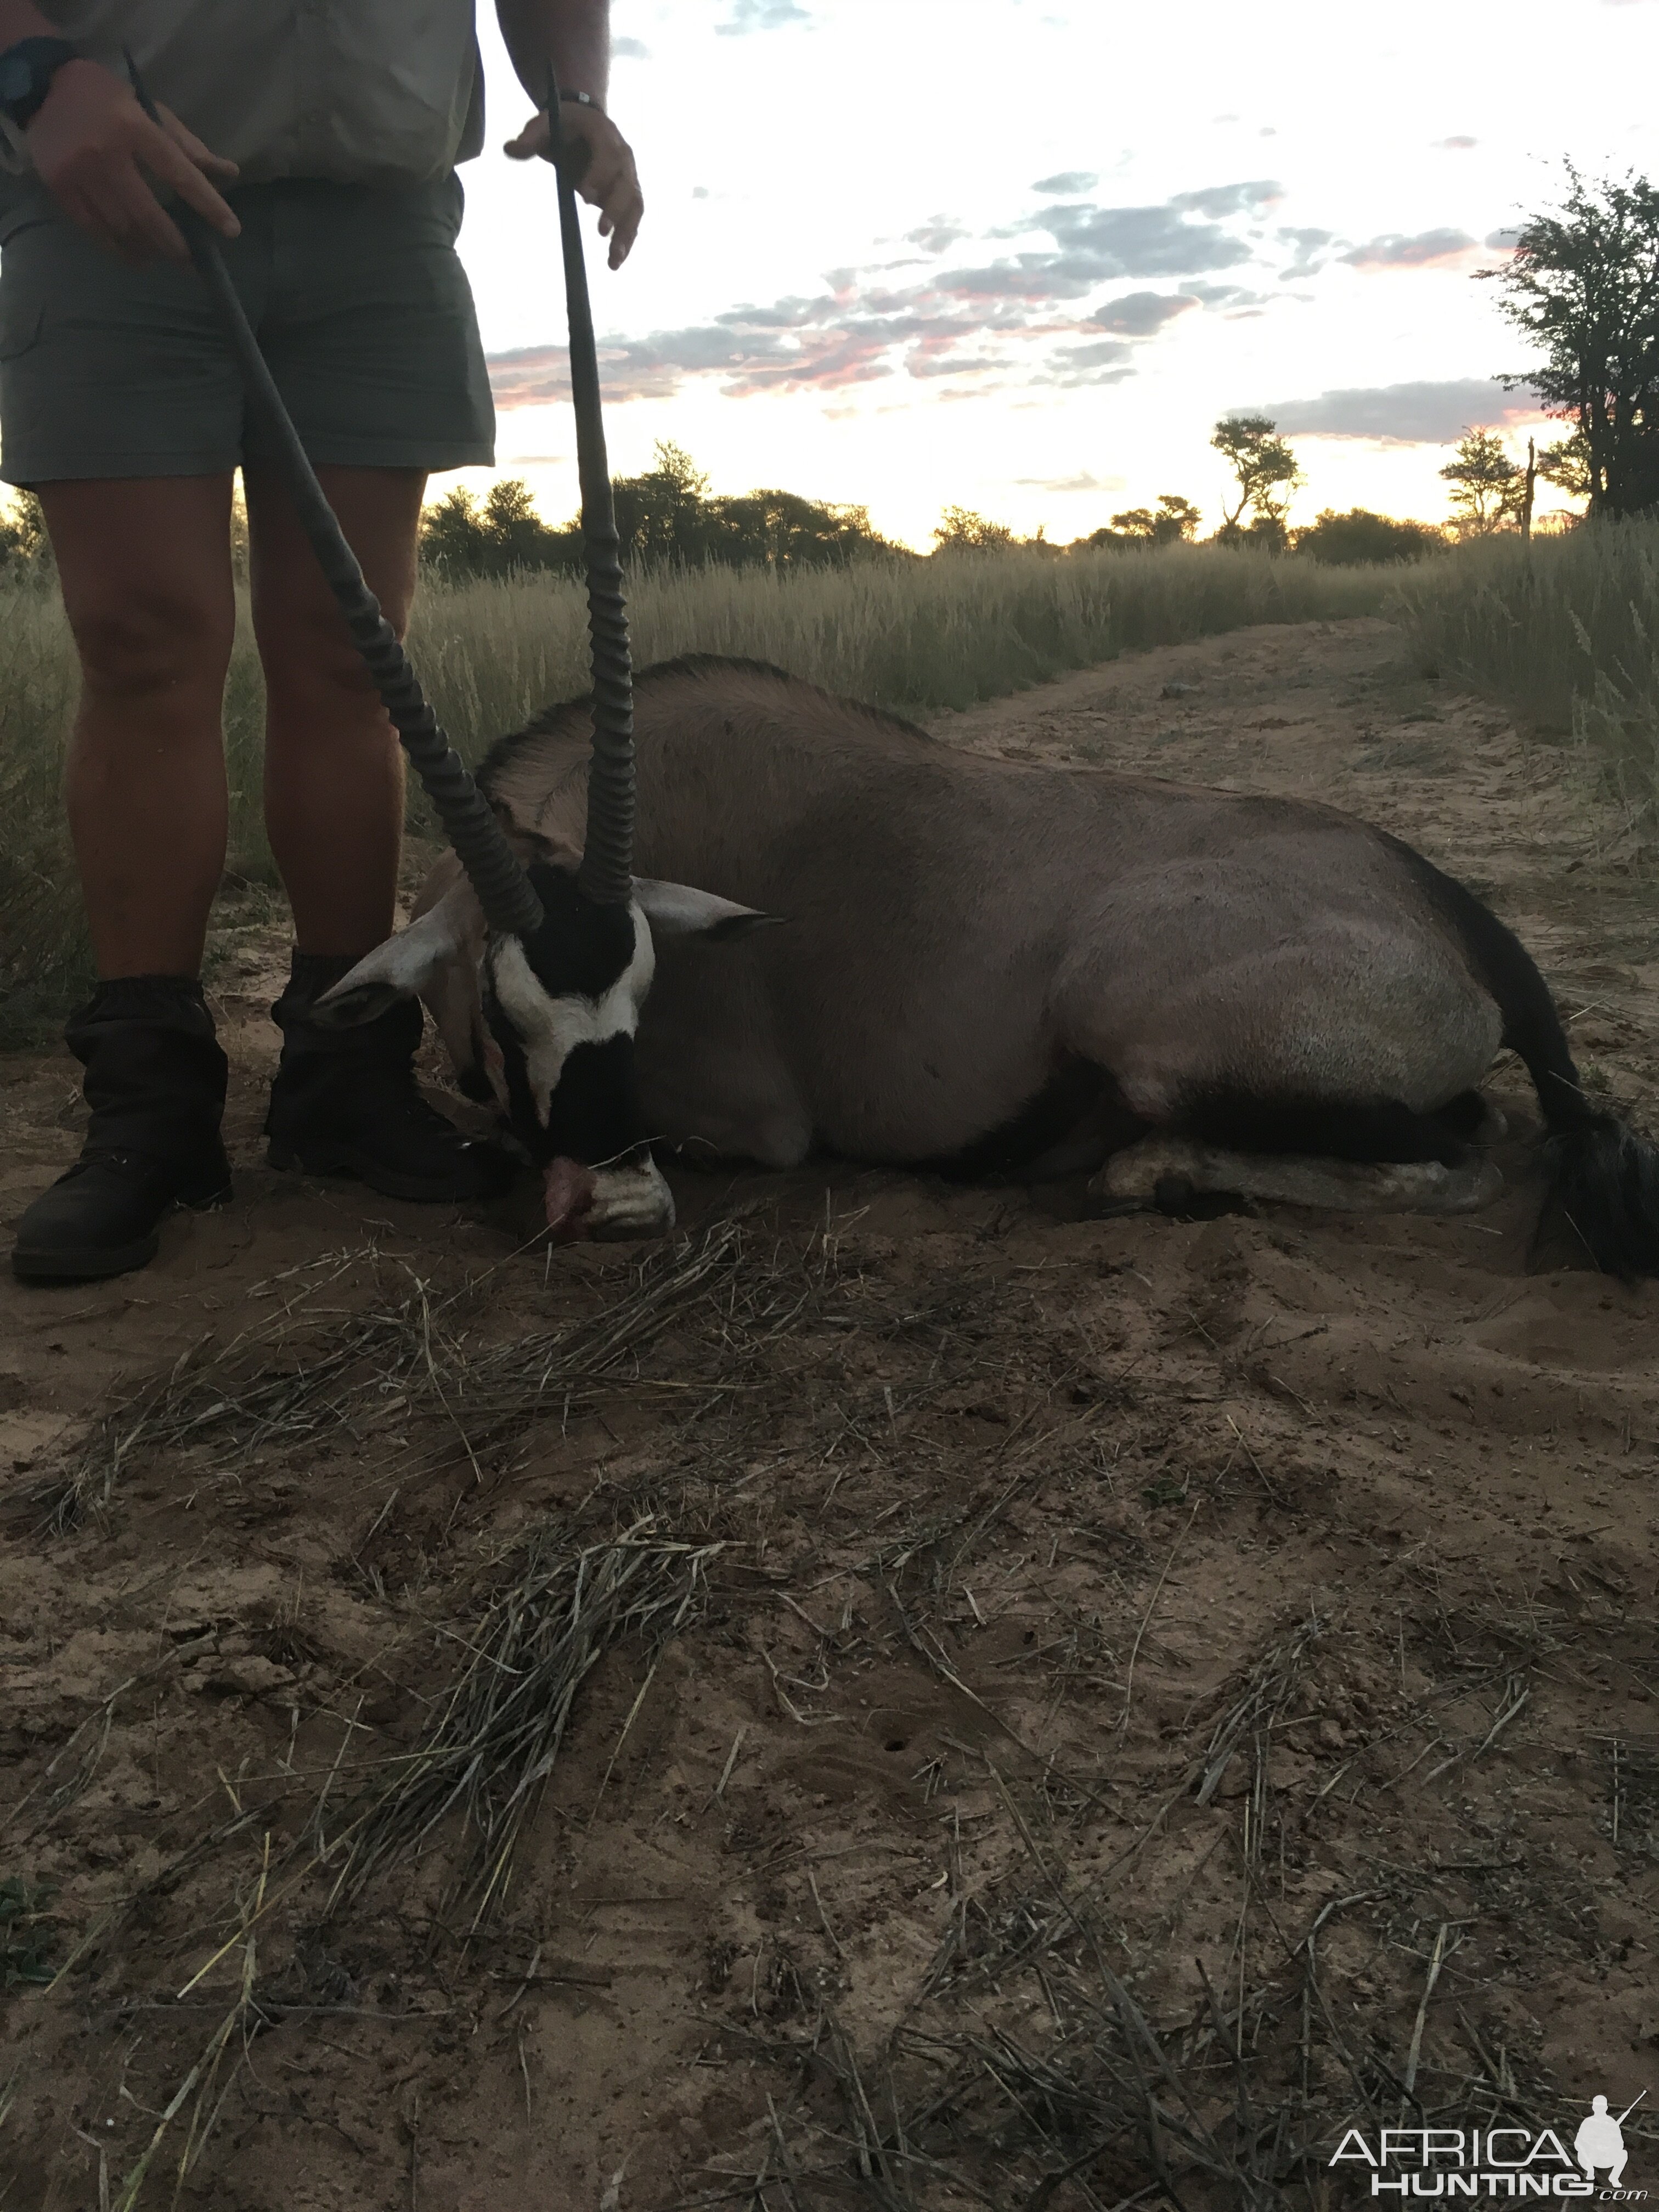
column 44, row 958
column 1564, row 632
column 916, row 635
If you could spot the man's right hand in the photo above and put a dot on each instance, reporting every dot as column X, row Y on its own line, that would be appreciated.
column 96, row 151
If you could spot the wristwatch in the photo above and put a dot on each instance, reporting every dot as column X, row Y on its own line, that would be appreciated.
column 26, row 70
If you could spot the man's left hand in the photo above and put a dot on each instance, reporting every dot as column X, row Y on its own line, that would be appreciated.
column 608, row 180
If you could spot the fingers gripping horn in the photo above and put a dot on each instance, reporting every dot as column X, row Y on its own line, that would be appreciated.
column 608, row 848
column 505, row 891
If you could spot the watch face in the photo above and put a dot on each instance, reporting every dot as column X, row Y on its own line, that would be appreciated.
column 16, row 78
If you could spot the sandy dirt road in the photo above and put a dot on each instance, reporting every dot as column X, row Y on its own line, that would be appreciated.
column 1074, row 1614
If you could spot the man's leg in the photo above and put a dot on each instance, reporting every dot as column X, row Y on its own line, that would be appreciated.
column 344, row 1101
column 334, row 780
column 144, row 565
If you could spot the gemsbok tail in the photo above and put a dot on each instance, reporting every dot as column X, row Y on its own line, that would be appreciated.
column 1604, row 1179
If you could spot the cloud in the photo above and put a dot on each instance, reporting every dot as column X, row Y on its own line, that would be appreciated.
column 1429, row 249
column 1502, row 241
column 630, row 50
column 1305, row 248
column 1030, row 277
column 1082, row 480
column 1108, row 362
column 760, row 358
column 1223, row 297
column 1068, row 183
column 1231, row 199
column 1403, row 414
column 759, row 15
column 935, row 236
column 1010, row 318
column 1459, row 144
column 1098, row 243
column 1139, row 315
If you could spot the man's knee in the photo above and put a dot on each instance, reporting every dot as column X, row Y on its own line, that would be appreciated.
column 149, row 644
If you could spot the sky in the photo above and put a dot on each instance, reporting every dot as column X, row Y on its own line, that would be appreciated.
column 1019, row 256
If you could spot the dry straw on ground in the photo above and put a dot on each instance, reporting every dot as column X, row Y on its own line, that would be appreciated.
column 489, row 1754
column 382, row 1364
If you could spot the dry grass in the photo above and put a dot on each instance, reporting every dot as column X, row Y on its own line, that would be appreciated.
column 1562, row 631
column 379, row 1366
column 491, row 1751
column 1062, row 2046
column 1041, row 2053
column 1036, row 2065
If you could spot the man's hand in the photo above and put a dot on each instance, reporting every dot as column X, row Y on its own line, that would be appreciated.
column 607, row 181
column 96, row 151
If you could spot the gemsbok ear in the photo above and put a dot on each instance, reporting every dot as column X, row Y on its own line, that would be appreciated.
column 401, row 966
column 676, row 910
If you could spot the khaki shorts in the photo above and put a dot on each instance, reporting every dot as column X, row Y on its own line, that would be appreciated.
column 359, row 300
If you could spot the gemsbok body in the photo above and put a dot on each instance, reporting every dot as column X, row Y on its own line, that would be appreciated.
column 847, row 937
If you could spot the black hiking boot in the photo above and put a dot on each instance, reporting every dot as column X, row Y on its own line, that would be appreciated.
column 345, row 1102
column 155, row 1083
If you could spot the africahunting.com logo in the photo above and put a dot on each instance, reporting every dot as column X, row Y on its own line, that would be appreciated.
column 1497, row 2162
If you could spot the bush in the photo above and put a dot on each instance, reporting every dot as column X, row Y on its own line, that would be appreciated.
column 1360, row 537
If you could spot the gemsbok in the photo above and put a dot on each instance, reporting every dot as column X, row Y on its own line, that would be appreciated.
column 845, row 936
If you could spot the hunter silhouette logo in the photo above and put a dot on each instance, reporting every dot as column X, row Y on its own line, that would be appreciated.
column 1600, row 2141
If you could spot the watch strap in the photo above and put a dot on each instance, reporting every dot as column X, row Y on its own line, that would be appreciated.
column 30, row 66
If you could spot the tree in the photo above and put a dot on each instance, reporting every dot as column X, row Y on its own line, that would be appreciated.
column 504, row 536
column 960, row 530
column 664, row 513
column 1583, row 285
column 782, row 530
column 1486, row 484
column 1341, row 540
column 1175, row 521
column 667, row 513
column 518, row 536
column 1566, row 465
column 1265, row 468
column 1178, row 520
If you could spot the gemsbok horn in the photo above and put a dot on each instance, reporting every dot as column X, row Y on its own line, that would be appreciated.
column 608, row 845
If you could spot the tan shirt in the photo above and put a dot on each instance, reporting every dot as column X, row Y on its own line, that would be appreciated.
column 377, row 92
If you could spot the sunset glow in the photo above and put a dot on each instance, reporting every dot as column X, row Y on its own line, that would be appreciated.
column 1019, row 257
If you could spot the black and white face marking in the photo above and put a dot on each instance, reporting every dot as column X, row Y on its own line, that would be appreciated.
column 560, row 1013
column 564, row 1010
